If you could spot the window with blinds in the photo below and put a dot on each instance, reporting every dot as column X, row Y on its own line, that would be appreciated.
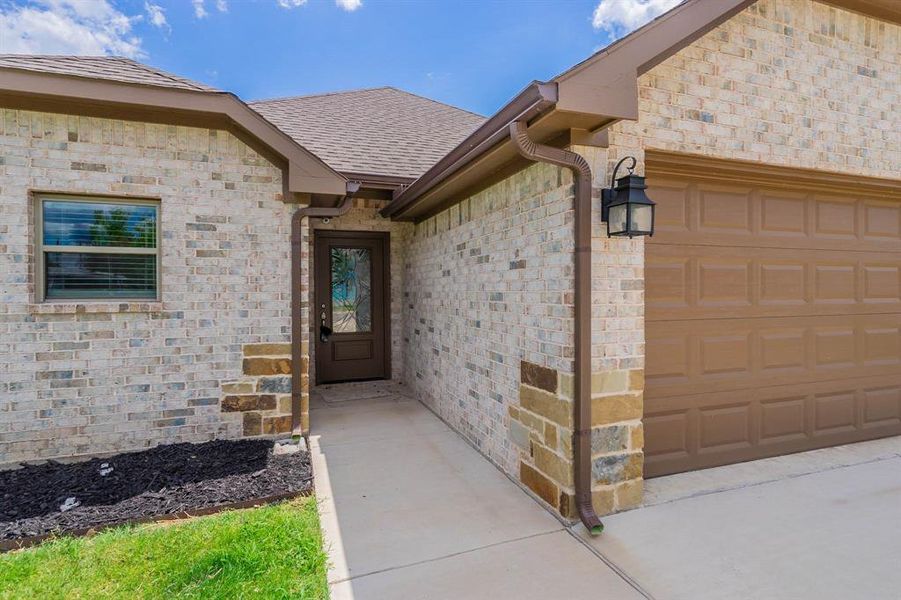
column 97, row 249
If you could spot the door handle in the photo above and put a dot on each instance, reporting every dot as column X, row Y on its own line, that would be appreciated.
column 324, row 330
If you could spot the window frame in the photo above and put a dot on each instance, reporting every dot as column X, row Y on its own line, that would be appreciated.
column 40, row 249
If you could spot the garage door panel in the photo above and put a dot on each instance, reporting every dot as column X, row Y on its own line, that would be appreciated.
column 692, row 211
column 669, row 358
column 667, row 280
column 703, row 430
column 724, row 355
column 728, row 354
column 724, row 282
column 881, row 283
column 834, row 412
column 673, row 199
column 698, row 282
column 835, row 218
column 881, row 221
column 782, row 284
column 725, row 428
column 881, row 345
column 728, row 209
column 783, row 419
column 882, row 407
column 784, row 214
column 773, row 312
column 667, row 436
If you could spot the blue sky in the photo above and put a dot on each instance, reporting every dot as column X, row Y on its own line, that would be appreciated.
column 473, row 54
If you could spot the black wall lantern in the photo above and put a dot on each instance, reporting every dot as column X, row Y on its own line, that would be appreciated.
column 625, row 207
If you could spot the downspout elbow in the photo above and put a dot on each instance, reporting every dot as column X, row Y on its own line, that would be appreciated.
column 581, row 170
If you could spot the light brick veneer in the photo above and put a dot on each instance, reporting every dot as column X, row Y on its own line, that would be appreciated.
column 785, row 82
column 488, row 285
column 105, row 377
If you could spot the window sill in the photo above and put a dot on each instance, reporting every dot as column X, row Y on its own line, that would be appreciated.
column 66, row 307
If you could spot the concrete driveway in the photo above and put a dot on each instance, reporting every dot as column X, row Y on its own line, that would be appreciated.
column 819, row 525
column 409, row 510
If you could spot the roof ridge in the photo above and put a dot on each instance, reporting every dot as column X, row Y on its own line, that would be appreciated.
column 357, row 90
column 14, row 54
column 72, row 65
column 200, row 86
column 409, row 93
column 319, row 94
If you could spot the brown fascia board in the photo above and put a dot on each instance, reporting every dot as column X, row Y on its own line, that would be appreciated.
column 306, row 173
column 532, row 101
column 885, row 10
column 588, row 98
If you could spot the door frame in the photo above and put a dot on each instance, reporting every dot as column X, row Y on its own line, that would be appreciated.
column 385, row 236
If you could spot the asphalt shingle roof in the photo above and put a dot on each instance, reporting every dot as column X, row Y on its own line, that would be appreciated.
column 114, row 68
column 380, row 131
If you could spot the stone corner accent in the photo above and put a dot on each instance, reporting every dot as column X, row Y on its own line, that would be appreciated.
column 263, row 394
column 617, row 439
column 540, row 427
column 537, row 376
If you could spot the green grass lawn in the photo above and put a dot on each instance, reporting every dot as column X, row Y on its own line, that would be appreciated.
column 269, row 552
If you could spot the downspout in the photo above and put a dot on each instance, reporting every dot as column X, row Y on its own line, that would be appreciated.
column 343, row 207
column 582, row 378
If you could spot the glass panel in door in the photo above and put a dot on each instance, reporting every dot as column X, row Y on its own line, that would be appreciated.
column 351, row 284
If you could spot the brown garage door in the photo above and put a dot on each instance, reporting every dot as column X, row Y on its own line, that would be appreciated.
column 773, row 312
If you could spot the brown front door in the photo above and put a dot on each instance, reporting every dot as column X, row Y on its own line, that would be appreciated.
column 351, row 314
column 773, row 314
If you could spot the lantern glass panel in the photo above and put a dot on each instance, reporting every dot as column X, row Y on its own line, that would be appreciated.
column 642, row 218
column 617, row 219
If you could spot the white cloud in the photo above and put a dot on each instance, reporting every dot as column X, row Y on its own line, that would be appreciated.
column 291, row 3
column 67, row 27
column 349, row 5
column 222, row 5
column 156, row 15
column 199, row 9
column 623, row 16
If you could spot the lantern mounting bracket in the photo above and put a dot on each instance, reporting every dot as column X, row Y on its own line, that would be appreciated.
column 608, row 194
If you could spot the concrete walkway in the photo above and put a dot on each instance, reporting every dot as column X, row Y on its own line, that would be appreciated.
column 409, row 511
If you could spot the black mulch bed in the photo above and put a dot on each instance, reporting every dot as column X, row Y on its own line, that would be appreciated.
column 166, row 480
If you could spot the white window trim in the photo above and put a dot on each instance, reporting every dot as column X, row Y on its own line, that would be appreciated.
column 40, row 248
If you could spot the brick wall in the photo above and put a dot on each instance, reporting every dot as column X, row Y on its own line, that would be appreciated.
column 104, row 377
column 786, row 82
column 489, row 284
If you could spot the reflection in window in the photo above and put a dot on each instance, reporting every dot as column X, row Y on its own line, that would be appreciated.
column 91, row 249
column 351, row 290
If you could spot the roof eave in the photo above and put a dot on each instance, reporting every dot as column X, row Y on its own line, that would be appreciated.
column 607, row 82
column 306, row 173
column 587, row 98
column 535, row 99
